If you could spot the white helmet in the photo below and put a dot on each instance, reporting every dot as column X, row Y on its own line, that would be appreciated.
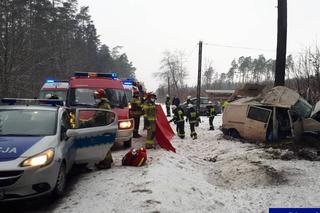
column 48, row 96
column 189, row 97
column 190, row 105
column 174, row 107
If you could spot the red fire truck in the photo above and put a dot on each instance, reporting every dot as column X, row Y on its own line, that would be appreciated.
column 80, row 93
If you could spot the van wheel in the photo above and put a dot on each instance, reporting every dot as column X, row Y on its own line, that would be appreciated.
column 59, row 189
column 233, row 133
column 127, row 144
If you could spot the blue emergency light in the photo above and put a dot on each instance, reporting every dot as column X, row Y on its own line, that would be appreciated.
column 99, row 75
column 49, row 81
column 127, row 82
column 50, row 102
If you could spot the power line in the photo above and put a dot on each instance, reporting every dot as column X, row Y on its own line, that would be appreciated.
column 239, row 47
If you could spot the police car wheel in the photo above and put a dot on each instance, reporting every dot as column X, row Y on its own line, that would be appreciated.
column 127, row 144
column 59, row 189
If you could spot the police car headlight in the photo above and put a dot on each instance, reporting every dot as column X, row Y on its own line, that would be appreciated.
column 42, row 159
column 125, row 124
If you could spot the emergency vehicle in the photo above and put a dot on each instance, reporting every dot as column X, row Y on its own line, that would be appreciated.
column 39, row 144
column 80, row 93
column 52, row 87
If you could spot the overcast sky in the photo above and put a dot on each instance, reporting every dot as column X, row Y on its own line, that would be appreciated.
column 147, row 28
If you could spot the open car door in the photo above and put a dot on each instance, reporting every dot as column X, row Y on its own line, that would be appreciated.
column 94, row 136
column 257, row 123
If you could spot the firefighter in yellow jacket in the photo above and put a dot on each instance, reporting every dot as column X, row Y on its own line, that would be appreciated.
column 150, row 112
column 103, row 103
column 135, row 112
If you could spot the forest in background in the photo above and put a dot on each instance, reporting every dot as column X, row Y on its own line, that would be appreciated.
column 41, row 39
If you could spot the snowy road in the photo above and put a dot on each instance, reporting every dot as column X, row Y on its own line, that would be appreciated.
column 209, row 174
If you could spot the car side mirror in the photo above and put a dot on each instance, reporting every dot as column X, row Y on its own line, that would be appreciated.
column 72, row 133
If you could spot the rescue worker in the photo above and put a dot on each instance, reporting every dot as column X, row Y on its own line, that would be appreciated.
column 189, row 100
column 224, row 105
column 192, row 117
column 178, row 119
column 150, row 112
column 144, row 105
column 103, row 103
column 211, row 113
column 168, row 106
column 176, row 101
column 135, row 112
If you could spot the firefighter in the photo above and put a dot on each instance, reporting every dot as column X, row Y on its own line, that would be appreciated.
column 168, row 106
column 192, row 117
column 144, row 105
column 189, row 100
column 178, row 119
column 135, row 112
column 150, row 112
column 211, row 113
column 103, row 103
column 224, row 105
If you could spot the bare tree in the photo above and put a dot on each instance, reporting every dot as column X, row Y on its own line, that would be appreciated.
column 173, row 68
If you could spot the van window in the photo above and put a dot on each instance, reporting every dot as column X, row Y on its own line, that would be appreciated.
column 259, row 114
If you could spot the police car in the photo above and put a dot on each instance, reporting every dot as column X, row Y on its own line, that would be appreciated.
column 40, row 143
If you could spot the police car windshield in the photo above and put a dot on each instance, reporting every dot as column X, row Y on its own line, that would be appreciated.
column 60, row 93
column 19, row 122
column 85, row 97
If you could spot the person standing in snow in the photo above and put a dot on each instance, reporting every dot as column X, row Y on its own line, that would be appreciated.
column 135, row 112
column 168, row 106
column 150, row 112
column 211, row 113
column 178, row 119
column 192, row 117
column 189, row 100
column 176, row 101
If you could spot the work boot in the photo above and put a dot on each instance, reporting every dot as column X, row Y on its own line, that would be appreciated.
column 104, row 164
column 137, row 135
column 211, row 128
column 149, row 146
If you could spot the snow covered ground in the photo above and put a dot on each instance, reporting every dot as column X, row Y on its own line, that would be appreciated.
column 210, row 174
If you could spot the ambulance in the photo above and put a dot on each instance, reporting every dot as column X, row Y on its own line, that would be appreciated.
column 52, row 87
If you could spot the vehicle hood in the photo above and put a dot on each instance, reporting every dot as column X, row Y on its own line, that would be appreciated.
column 12, row 148
column 122, row 113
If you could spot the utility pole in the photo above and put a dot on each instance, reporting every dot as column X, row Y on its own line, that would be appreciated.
column 199, row 76
column 281, row 44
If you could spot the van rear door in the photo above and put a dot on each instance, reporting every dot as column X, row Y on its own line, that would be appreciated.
column 94, row 136
column 257, row 123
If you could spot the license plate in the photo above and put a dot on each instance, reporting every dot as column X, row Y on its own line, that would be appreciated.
column 1, row 195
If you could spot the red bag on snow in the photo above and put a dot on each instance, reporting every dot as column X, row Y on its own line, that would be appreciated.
column 135, row 157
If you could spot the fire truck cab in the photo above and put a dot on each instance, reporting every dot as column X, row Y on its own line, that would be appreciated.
column 81, row 94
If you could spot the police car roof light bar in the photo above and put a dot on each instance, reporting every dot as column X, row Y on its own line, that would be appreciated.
column 50, row 81
column 49, row 102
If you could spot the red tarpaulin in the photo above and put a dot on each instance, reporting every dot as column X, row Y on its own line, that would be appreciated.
column 164, row 133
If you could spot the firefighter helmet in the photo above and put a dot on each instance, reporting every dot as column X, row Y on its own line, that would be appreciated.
column 100, row 93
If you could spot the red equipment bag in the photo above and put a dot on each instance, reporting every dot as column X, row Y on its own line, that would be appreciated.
column 135, row 157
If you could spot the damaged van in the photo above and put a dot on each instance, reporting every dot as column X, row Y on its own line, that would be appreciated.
column 276, row 114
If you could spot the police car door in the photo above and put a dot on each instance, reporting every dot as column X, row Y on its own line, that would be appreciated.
column 94, row 134
column 257, row 123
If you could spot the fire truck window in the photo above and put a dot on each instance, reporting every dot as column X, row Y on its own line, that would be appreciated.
column 259, row 114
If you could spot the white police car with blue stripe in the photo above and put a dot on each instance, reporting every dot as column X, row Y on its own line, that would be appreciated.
column 40, row 144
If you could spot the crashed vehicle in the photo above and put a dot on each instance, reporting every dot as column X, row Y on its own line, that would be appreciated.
column 277, row 114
